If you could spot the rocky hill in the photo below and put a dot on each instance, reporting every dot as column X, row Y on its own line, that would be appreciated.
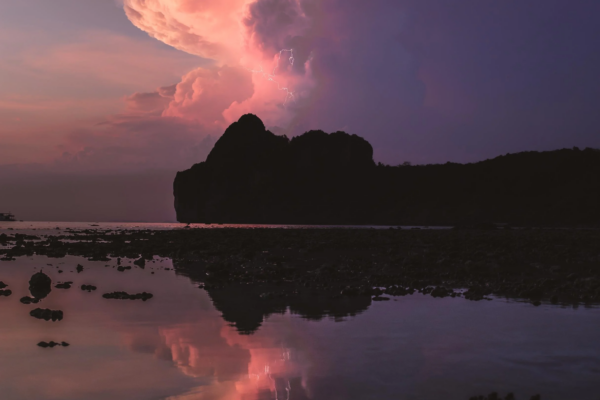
column 255, row 176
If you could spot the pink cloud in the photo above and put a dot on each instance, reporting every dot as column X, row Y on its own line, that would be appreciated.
column 57, row 91
column 152, row 103
column 101, row 57
column 207, row 28
column 133, row 143
column 328, row 73
column 242, row 37
column 204, row 94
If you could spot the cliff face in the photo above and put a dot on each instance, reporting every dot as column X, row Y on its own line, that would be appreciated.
column 254, row 176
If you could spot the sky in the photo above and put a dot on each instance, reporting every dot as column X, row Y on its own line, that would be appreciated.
column 102, row 101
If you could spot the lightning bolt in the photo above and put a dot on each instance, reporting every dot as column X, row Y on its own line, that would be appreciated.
column 289, row 95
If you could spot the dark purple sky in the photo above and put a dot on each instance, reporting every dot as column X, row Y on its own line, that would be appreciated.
column 87, row 96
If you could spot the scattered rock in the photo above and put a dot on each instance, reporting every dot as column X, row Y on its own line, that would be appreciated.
column 556, row 265
column 121, row 268
column 47, row 314
column 126, row 296
column 6, row 292
column 495, row 396
column 398, row 291
column 52, row 344
column 28, row 300
column 380, row 298
column 3, row 285
column 88, row 288
column 64, row 285
column 441, row 291
column 40, row 285
column 79, row 268
column 140, row 262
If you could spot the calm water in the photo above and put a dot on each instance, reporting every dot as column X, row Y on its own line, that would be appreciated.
column 177, row 345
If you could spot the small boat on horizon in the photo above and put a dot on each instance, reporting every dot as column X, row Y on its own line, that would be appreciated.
column 7, row 217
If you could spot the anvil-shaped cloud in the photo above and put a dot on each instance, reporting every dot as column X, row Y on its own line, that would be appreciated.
column 238, row 36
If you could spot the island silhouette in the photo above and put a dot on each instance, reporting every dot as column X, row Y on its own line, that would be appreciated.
column 253, row 176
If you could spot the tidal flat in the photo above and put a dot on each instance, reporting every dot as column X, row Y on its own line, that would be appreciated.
column 561, row 266
column 283, row 313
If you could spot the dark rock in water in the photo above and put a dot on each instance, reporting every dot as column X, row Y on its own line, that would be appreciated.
column 441, row 291
column 121, row 268
column 254, row 176
column 3, row 285
column 47, row 314
column 476, row 293
column 64, row 285
column 79, row 268
column 98, row 257
column 6, row 292
column 88, row 288
column 52, row 344
column 380, row 298
column 40, row 285
column 495, row 396
column 397, row 291
column 126, row 296
column 140, row 262
column 28, row 300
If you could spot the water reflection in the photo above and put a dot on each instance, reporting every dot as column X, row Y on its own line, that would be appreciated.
column 179, row 346
column 246, row 306
column 246, row 367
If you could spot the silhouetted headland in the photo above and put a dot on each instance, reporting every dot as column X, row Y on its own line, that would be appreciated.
column 254, row 176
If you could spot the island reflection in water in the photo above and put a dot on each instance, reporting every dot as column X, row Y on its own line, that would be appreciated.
column 179, row 345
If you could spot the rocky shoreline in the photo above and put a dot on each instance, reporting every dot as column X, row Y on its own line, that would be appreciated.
column 560, row 266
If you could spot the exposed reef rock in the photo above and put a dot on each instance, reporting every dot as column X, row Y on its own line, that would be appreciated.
column 46, row 314
column 255, row 176
column 126, row 296
column 254, row 272
column 29, row 300
column 40, row 285
column 52, row 344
